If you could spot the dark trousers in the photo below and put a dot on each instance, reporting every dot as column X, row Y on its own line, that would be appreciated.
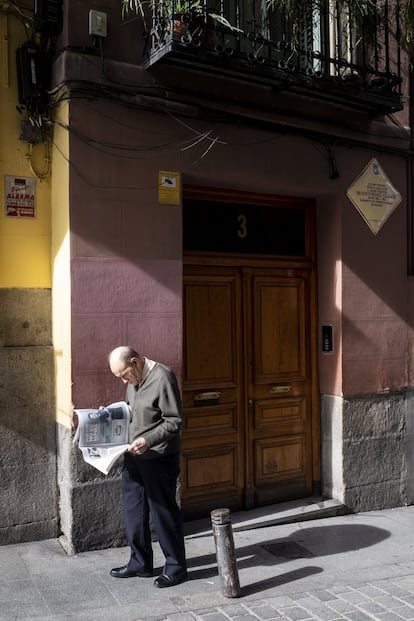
column 149, row 486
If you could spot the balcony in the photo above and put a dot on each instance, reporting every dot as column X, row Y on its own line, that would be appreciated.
column 324, row 54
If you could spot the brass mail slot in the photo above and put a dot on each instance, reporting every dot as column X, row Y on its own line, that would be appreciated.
column 278, row 389
column 206, row 396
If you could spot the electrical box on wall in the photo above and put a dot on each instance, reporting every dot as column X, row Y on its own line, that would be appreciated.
column 32, row 134
column 97, row 23
column 32, row 77
column 48, row 16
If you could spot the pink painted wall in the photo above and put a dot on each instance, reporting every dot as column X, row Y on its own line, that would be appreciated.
column 363, row 288
column 119, row 301
column 127, row 248
column 330, row 291
column 375, row 287
column 126, row 259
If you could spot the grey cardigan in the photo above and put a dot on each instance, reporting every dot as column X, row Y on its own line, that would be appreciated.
column 156, row 412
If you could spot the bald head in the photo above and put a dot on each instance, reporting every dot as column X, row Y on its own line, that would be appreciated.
column 123, row 354
column 126, row 363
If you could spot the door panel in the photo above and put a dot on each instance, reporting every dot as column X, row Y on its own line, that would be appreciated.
column 212, row 469
column 281, row 458
column 279, row 328
column 280, row 433
column 247, row 434
column 280, row 416
column 211, row 302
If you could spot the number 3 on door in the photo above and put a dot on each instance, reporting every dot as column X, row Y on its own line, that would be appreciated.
column 242, row 230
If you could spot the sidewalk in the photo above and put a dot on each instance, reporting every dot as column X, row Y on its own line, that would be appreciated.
column 354, row 567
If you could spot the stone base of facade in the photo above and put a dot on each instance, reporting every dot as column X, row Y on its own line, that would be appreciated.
column 90, row 502
column 367, row 450
column 27, row 418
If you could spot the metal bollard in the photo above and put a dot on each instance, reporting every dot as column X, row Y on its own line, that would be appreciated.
column 226, row 560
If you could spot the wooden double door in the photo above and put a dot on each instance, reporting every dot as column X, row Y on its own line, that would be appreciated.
column 248, row 385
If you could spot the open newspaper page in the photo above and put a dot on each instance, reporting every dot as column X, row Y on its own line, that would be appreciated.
column 102, row 435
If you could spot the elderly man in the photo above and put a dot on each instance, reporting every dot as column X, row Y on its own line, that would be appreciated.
column 151, row 467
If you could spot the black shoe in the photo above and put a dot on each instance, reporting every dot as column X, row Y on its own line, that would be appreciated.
column 164, row 580
column 125, row 572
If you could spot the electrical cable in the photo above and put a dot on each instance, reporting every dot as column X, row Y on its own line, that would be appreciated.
column 100, row 186
column 136, row 90
column 44, row 175
column 107, row 147
column 211, row 112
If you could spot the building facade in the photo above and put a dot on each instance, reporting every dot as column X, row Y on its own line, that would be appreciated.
column 232, row 197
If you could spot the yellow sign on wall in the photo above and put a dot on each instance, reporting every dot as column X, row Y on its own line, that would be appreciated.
column 374, row 196
column 169, row 187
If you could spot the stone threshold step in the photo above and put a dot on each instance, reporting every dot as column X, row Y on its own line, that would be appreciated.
column 311, row 508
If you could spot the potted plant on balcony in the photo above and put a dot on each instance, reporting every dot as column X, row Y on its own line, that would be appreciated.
column 183, row 13
column 367, row 16
column 363, row 15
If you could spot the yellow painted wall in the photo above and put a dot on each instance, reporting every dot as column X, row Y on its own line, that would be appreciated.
column 61, row 289
column 24, row 243
column 35, row 253
column 61, row 321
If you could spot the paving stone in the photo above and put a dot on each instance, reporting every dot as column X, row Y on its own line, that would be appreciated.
column 341, row 606
column 406, row 612
column 388, row 601
column 265, row 611
column 15, row 610
column 371, row 608
column 393, row 589
column 326, row 614
column 310, row 603
column 13, row 593
column 324, row 595
column 248, row 617
column 371, row 591
column 233, row 610
column 296, row 613
column 358, row 616
column 388, row 616
column 283, row 601
column 405, row 583
column 213, row 616
column 353, row 597
column 339, row 589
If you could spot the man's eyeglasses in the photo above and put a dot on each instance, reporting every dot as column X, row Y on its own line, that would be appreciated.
column 127, row 371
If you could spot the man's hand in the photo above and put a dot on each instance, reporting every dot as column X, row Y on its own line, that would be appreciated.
column 138, row 446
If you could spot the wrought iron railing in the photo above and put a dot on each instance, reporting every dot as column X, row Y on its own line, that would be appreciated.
column 334, row 53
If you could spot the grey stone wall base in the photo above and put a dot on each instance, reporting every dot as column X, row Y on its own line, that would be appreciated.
column 367, row 454
column 332, row 482
column 376, row 496
column 36, row 531
column 65, row 458
column 90, row 502
column 98, row 521
column 27, row 417
column 25, row 317
column 409, row 446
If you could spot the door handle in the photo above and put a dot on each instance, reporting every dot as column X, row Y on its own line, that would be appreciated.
column 278, row 389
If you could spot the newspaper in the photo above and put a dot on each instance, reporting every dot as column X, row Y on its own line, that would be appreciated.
column 102, row 435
